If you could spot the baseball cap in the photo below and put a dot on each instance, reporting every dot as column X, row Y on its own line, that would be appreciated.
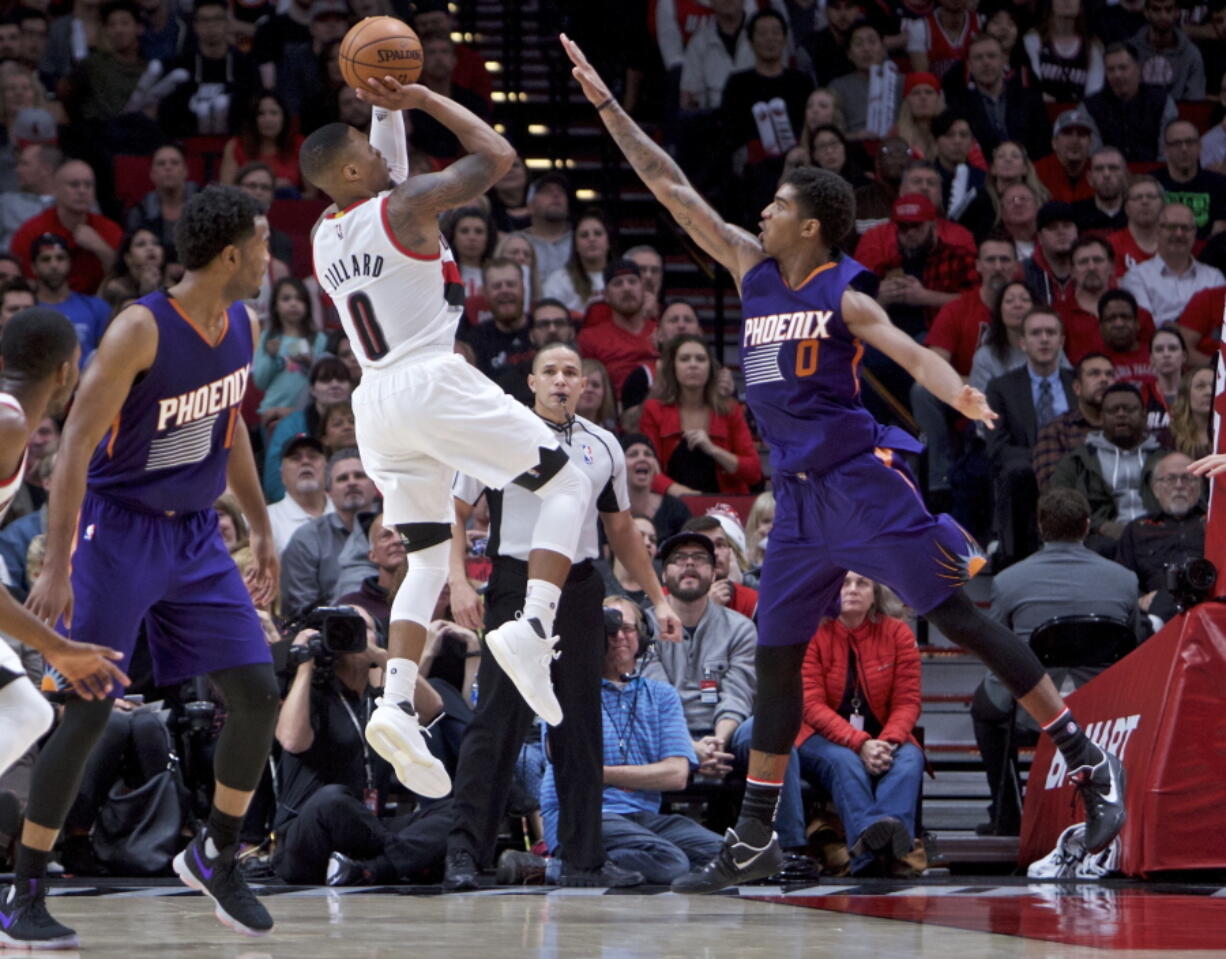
column 687, row 538
column 299, row 440
column 33, row 125
column 920, row 79
column 1075, row 118
column 324, row 8
column 553, row 176
column 44, row 240
column 622, row 267
column 913, row 208
column 1054, row 211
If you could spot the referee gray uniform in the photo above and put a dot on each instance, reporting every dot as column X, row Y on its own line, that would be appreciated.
column 492, row 741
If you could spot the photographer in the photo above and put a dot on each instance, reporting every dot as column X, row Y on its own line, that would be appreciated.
column 332, row 783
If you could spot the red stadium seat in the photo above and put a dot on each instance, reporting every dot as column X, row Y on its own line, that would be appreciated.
column 295, row 218
column 204, row 157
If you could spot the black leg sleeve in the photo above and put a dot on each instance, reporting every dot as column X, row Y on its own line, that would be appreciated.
column 779, row 706
column 252, row 699
column 576, row 747
column 492, row 740
column 58, row 771
column 1013, row 662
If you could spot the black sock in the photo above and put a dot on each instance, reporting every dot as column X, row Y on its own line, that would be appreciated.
column 30, row 864
column 756, row 824
column 1072, row 741
column 223, row 829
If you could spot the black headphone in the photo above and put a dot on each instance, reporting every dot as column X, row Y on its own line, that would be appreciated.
column 614, row 619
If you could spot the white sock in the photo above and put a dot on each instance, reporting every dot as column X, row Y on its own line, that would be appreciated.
column 541, row 603
column 401, row 680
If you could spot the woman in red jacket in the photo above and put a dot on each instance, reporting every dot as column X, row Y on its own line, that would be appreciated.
column 862, row 699
column 702, row 439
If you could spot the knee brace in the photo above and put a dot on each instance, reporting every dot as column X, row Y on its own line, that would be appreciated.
column 423, row 580
column 565, row 496
column 419, row 536
column 553, row 461
column 252, row 699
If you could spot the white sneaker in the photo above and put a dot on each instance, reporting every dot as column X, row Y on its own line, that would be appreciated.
column 524, row 656
column 394, row 733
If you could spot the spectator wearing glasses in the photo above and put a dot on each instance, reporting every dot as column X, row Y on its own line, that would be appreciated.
column 1185, row 181
column 1164, row 284
column 551, row 322
column 1171, row 534
column 1138, row 240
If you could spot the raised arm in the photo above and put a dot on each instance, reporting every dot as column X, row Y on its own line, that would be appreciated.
column 737, row 250
column 415, row 204
column 866, row 319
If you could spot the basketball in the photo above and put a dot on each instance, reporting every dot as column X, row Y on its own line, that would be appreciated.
column 379, row 47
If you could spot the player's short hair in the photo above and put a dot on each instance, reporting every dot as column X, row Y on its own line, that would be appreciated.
column 1063, row 514
column 319, row 152
column 556, row 345
column 826, row 197
column 213, row 219
column 36, row 341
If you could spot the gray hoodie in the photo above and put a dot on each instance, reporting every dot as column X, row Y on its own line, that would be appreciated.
column 1180, row 69
column 1124, row 472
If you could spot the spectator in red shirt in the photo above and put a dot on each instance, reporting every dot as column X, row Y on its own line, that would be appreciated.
column 92, row 238
column 1065, row 172
column 923, row 274
column 1138, row 241
column 1093, row 275
column 701, row 437
column 1120, row 325
column 1049, row 272
column 627, row 341
column 1200, row 322
column 880, row 243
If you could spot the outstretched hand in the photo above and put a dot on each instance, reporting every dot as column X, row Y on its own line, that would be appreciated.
column 594, row 88
column 1212, row 465
column 974, row 406
column 390, row 94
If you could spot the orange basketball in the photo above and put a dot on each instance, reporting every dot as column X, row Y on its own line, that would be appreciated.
column 379, row 47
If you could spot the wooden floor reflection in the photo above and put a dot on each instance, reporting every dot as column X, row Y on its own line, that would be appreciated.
column 944, row 921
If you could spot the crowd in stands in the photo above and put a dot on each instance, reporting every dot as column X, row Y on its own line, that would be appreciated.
column 1041, row 193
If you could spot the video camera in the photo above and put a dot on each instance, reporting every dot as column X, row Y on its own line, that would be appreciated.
column 1190, row 582
column 341, row 629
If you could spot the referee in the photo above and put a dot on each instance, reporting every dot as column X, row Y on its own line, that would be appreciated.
column 492, row 741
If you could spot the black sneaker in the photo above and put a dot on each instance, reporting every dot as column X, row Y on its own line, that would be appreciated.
column 343, row 871
column 1102, row 791
column 460, row 872
column 798, row 867
column 887, row 838
column 25, row 922
column 609, row 874
column 737, row 863
column 519, row 868
column 215, row 872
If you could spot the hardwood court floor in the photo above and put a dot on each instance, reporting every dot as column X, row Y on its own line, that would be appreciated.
column 943, row 920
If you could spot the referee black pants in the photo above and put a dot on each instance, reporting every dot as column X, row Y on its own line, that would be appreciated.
column 493, row 739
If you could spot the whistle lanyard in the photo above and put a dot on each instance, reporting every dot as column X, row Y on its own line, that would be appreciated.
column 370, row 778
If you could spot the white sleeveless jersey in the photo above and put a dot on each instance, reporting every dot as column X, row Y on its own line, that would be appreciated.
column 11, row 485
column 393, row 303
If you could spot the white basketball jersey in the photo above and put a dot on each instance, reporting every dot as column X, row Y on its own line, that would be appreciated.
column 392, row 302
column 9, row 486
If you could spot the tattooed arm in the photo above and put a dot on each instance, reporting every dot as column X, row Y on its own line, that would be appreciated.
column 413, row 206
column 734, row 248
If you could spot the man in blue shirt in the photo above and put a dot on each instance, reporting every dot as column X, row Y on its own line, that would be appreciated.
column 647, row 751
column 51, row 261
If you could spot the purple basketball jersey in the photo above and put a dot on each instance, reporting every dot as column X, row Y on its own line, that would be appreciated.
column 167, row 451
column 802, row 369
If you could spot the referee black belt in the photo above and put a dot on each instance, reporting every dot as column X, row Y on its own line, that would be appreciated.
column 578, row 571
